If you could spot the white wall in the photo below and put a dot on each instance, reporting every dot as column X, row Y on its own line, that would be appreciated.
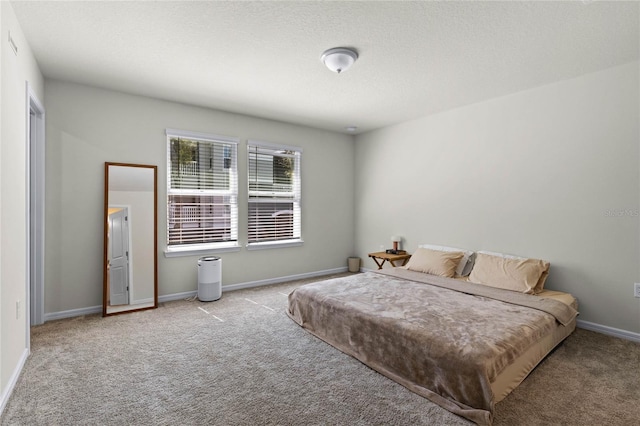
column 15, row 71
column 87, row 126
column 550, row 173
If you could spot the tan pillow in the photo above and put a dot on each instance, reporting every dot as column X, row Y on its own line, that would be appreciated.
column 435, row 262
column 522, row 275
column 543, row 278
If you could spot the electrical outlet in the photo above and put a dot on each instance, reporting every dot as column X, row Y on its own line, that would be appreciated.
column 636, row 290
column 18, row 305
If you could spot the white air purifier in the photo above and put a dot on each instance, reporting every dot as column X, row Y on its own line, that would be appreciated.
column 209, row 278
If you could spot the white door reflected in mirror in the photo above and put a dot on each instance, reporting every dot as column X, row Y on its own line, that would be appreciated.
column 118, row 257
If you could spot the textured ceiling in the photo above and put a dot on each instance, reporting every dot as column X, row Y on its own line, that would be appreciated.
column 263, row 58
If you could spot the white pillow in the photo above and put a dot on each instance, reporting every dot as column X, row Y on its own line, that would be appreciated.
column 503, row 255
column 466, row 263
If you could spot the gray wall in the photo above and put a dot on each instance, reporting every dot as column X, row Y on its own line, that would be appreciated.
column 551, row 173
column 87, row 126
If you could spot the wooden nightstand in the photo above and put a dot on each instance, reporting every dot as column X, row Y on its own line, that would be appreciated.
column 392, row 258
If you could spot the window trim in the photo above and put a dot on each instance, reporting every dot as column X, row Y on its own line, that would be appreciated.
column 198, row 249
column 271, row 145
column 292, row 242
column 201, row 248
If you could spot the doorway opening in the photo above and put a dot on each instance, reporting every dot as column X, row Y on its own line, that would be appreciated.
column 35, row 210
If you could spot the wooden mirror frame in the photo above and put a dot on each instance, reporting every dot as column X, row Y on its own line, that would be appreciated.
column 105, row 274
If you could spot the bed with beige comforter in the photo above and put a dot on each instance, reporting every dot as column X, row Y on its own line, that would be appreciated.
column 463, row 346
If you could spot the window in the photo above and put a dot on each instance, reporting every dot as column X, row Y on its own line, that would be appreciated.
column 274, row 195
column 202, row 191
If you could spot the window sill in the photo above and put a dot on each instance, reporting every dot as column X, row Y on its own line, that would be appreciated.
column 274, row 245
column 200, row 250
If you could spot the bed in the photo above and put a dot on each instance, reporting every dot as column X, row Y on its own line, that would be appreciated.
column 461, row 345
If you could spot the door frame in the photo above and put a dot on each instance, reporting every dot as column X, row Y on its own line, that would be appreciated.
column 35, row 199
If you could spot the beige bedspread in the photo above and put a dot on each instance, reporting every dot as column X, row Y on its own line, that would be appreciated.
column 441, row 340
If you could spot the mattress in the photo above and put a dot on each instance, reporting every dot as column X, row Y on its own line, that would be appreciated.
column 463, row 346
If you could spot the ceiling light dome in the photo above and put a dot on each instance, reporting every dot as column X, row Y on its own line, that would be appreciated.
column 339, row 59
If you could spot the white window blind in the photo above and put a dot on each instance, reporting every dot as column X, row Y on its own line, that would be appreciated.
column 202, row 190
column 274, row 193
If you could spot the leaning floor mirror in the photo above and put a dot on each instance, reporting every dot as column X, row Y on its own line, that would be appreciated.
column 130, row 274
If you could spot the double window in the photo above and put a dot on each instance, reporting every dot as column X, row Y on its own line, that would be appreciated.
column 202, row 191
column 274, row 195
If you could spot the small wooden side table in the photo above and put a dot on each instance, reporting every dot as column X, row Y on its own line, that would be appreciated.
column 392, row 258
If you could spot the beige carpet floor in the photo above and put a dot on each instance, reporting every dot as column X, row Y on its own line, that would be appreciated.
column 242, row 361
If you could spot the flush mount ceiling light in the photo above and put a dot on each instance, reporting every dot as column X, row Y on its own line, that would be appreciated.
column 339, row 59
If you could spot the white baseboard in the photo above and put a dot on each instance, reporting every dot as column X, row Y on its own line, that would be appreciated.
column 250, row 284
column 278, row 280
column 72, row 313
column 187, row 294
column 6, row 393
column 610, row 331
column 176, row 296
